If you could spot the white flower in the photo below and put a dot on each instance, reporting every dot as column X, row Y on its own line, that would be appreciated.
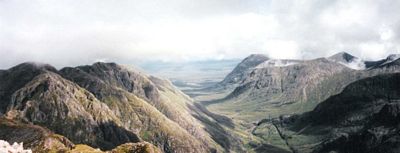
column 5, row 147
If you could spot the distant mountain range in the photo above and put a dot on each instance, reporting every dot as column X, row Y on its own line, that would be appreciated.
column 338, row 104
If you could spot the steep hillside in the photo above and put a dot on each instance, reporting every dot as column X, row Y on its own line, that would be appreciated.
column 363, row 118
column 65, row 108
column 16, row 77
column 117, row 85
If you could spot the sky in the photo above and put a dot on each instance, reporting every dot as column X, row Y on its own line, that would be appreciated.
column 70, row 32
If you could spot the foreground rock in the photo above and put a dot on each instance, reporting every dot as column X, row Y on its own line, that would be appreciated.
column 42, row 140
column 34, row 137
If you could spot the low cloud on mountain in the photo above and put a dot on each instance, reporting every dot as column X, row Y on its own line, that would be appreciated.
column 72, row 33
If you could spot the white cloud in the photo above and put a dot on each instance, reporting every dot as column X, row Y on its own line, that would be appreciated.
column 67, row 32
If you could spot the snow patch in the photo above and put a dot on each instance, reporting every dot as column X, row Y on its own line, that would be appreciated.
column 5, row 147
column 276, row 63
column 391, row 58
column 355, row 63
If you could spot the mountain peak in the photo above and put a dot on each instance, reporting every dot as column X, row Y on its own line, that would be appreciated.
column 33, row 66
column 393, row 57
column 342, row 57
column 104, row 64
column 243, row 67
column 256, row 56
column 253, row 60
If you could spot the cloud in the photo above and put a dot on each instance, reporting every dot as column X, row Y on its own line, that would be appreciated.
column 68, row 32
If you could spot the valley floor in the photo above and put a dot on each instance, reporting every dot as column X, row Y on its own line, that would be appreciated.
column 253, row 138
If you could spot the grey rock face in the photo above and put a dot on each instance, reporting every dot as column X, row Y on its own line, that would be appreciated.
column 238, row 74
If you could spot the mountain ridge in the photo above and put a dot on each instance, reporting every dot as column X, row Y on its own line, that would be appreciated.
column 114, row 104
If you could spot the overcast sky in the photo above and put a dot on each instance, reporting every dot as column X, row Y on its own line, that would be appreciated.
column 70, row 32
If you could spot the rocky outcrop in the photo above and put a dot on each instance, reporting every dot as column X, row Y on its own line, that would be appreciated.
column 142, row 147
column 34, row 137
column 42, row 140
column 67, row 109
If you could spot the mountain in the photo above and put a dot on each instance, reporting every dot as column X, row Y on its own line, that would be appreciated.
column 279, row 88
column 115, row 85
column 369, row 120
column 62, row 106
column 245, row 66
column 342, row 57
column 390, row 61
column 104, row 105
column 348, row 60
column 363, row 118
column 16, row 77
column 275, row 87
column 263, row 105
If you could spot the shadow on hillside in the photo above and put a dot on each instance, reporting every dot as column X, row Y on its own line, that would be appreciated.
column 108, row 135
column 114, row 135
column 217, row 132
column 219, row 118
column 270, row 149
column 210, row 102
